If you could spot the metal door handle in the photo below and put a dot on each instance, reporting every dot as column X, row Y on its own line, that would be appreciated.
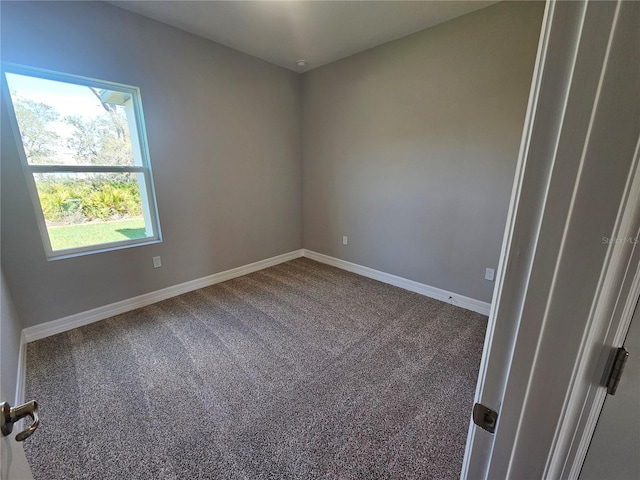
column 9, row 416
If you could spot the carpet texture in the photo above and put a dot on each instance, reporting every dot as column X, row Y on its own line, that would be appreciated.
column 299, row 371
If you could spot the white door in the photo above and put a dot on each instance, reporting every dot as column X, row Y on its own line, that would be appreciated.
column 614, row 452
column 13, row 463
column 563, row 282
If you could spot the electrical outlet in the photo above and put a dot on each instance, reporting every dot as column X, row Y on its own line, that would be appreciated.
column 345, row 240
column 156, row 262
column 489, row 274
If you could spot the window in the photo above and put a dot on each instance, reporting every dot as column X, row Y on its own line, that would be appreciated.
column 84, row 152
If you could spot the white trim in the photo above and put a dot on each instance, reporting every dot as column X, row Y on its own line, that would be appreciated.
column 510, row 232
column 21, row 375
column 560, row 259
column 583, row 404
column 426, row 290
column 574, row 465
column 53, row 327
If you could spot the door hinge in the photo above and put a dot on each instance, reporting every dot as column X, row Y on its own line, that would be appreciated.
column 617, row 368
column 485, row 418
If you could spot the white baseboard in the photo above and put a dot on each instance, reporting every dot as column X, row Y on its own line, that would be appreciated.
column 426, row 290
column 54, row 327
column 84, row 318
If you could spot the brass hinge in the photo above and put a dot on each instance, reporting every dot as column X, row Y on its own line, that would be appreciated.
column 617, row 368
column 485, row 418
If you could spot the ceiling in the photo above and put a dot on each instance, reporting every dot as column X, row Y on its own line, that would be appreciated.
column 318, row 32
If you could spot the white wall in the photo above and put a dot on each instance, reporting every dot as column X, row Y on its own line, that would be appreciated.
column 224, row 138
column 410, row 148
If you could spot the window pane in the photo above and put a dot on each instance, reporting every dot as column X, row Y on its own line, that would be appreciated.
column 67, row 124
column 82, row 209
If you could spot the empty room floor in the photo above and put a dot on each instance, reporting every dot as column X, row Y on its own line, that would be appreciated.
column 297, row 371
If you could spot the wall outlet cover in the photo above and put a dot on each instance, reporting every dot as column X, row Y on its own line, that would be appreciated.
column 489, row 274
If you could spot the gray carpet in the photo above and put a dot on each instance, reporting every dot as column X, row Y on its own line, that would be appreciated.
column 299, row 371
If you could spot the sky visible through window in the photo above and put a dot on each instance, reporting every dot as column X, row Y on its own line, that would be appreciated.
column 66, row 98
column 51, row 105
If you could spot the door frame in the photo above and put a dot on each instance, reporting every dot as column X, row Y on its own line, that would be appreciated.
column 574, row 51
column 613, row 311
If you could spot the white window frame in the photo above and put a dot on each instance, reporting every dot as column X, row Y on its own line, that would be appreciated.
column 142, row 162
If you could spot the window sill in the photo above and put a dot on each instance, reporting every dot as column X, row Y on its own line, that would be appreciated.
column 107, row 247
